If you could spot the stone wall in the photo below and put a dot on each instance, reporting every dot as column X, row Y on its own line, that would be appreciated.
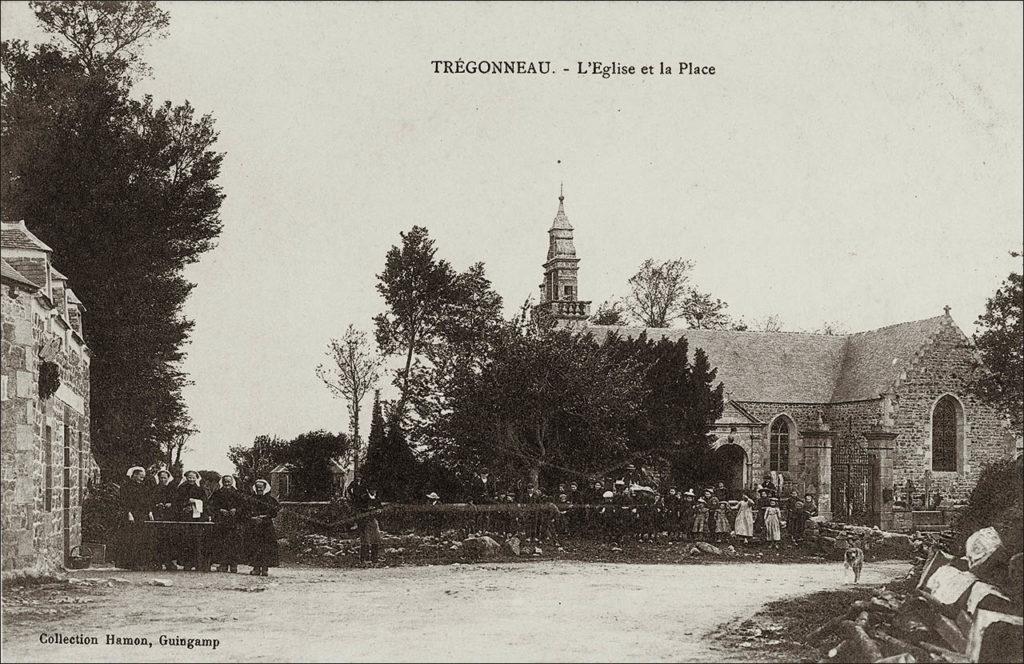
column 40, row 439
column 944, row 366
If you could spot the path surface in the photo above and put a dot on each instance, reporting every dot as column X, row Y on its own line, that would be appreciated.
column 544, row 611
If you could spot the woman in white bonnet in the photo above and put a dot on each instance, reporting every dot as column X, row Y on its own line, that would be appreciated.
column 190, row 505
column 136, row 543
column 261, row 537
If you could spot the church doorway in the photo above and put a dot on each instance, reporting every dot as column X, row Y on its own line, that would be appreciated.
column 731, row 468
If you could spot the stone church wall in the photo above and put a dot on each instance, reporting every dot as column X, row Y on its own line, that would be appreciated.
column 944, row 367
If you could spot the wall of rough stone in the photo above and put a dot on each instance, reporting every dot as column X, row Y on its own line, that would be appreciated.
column 944, row 366
column 34, row 537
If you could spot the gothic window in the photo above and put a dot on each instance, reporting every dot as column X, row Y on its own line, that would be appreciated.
column 946, row 425
column 779, row 445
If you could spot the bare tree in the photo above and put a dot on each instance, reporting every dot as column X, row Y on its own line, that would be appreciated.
column 659, row 291
column 353, row 373
column 176, row 445
column 773, row 323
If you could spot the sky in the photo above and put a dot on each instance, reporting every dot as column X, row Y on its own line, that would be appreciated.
column 858, row 163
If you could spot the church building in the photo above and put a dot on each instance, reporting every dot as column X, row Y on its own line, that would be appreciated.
column 879, row 425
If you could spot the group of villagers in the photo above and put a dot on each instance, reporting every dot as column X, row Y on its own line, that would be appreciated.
column 175, row 525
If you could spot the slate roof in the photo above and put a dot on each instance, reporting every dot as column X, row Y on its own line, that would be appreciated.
column 9, row 273
column 14, row 235
column 797, row 367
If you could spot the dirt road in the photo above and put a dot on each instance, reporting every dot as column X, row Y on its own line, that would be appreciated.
column 491, row 612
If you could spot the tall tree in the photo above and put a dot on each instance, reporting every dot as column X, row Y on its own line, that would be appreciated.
column 354, row 371
column 1000, row 344
column 104, row 36
column 435, row 316
column 658, row 291
column 125, row 192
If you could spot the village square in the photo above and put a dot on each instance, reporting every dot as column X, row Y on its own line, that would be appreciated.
column 266, row 400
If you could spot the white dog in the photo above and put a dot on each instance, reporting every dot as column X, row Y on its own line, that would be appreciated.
column 854, row 560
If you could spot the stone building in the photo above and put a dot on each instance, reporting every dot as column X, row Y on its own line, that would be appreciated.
column 44, row 396
column 859, row 420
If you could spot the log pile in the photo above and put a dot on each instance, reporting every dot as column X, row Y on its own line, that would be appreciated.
column 964, row 609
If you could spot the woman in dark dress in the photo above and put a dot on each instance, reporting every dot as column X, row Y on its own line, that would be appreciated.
column 260, row 536
column 166, row 535
column 190, row 505
column 227, row 511
column 136, row 544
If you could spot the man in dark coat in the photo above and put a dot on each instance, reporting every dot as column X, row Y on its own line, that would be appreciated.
column 363, row 499
column 260, row 535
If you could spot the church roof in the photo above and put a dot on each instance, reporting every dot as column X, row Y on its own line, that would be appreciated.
column 797, row 367
column 9, row 273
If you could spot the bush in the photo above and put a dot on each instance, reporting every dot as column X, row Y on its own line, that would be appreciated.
column 996, row 502
column 100, row 511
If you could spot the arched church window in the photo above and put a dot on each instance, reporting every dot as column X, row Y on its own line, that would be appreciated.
column 946, row 424
column 779, row 445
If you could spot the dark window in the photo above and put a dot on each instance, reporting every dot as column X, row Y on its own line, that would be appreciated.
column 779, row 444
column 81, row 471
column 945, row 430
column 568, row 291
column 48, row 471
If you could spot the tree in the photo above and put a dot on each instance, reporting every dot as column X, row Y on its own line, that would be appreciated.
column 391, row 465
column 104, row 36
column 311, row 456
column 544, row 398
column 679, row 401
column 831, row 328
column 658, row 291
column 611, row 312
column 701, row 311
column 354, row 371
column 125, row 192
column 999, row 341
column 257, row 460
column 773, row 323
column 174, row 447
column 434, row 315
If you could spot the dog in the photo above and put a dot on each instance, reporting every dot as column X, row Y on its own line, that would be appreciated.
column 854, row 560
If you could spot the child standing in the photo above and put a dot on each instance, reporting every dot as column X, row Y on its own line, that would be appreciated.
column 773, row 523
column 700, row 520
column 744, row 528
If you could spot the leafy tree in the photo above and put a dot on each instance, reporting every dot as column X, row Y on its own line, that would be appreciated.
column 257, row 460
column 679, row 401
column 104, row 36
column 125, row 192
column 701, row 311
column 310, row 456
column 210, row 479
column 544, row 397
column 610, row 312
column 999, row 341
column 658, row 291
column 435, row 317
column 173, row 448
column 354, row 371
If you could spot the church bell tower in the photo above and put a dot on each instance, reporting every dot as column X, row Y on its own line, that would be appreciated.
column 559, row 294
